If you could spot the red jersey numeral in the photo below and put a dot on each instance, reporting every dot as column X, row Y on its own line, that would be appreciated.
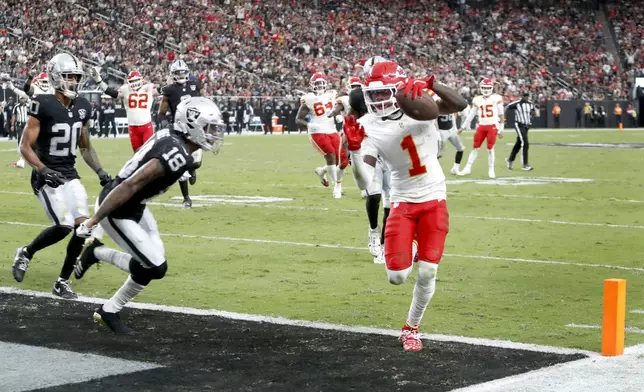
column 318, row 108
column 137, row 101
column 486, row 111
column 417, row 168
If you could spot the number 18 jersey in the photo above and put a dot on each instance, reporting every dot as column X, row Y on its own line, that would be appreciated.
column 171, row 150
column 410, row 149
column 60, row 130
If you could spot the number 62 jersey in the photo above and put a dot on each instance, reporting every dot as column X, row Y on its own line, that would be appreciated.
column 60, row 130
column 410, row 150
column 171, row 151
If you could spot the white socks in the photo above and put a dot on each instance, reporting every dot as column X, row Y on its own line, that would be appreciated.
column 332, row 172
column 340, row 174
column 126, row 293
column 111, row 256
column 472, row 157
column 490, row 159
column 423, row 292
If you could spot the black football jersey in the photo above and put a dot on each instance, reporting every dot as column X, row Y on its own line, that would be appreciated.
column 171, row 150
column 60, row 130
column 445, row 121
column 356, row 101
column 177, row 92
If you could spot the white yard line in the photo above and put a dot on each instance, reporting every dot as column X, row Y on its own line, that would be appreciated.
column 361, row 249
column 586, row 326
column 313, row 324
column 637, row 311
column 554, row 222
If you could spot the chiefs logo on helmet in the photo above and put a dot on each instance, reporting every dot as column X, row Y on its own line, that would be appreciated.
column 42, row 81
column 354, row 82
column 487, row 87
column 318, row 83
column 380, row 88
column 135, row 80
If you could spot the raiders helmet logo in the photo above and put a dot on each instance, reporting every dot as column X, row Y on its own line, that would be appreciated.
column 192, row 114
column 82, row 113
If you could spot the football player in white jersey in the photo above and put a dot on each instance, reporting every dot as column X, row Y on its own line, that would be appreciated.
column 137, row 97
column 35, row 86
column 489, row 108
column 418, row 192
column 322, row 131
column 342, row 106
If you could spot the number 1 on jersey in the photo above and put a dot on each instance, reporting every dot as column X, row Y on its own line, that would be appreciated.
column 417, row 168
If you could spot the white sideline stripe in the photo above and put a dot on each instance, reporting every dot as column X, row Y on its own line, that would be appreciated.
column 313, row 324
column 637, row 311
column 359, row 248
column 585, row 326
column 353, row 210
column 453, row 193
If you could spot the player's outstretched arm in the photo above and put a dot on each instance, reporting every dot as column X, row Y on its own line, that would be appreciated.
column 339, row 107
column 300, row 118
column 451, row 100
column 27, row 87
column 90, row 157
column 468, row 119
column 21, row 93
column 151, row 171
column 29, row 137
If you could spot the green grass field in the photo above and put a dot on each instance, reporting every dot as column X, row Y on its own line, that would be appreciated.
column 262, row 258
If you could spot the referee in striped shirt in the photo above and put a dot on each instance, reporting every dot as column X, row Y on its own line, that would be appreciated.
column 523, row 112
column 19, row 118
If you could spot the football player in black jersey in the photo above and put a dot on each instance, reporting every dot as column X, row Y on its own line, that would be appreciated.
column 172, row 95
column 448, row 131
column 123, row 214
column 57, row 126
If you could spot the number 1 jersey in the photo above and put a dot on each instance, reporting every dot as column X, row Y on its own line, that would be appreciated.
column 171, row 151
column 60, row 130
column 410, row 149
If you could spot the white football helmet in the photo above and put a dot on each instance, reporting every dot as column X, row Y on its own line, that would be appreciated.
column 179, row 71
column 65, row 74
column 200, row 120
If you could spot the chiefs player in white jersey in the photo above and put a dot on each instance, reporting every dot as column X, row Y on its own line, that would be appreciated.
column 34, row 86
column 418, row 192
column 342, row 106
column 137, row 97
column 489, row 108
column 322, row 131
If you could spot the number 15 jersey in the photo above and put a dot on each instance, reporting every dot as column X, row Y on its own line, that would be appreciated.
column 60, row 130
column 171, row 151
column 410, row 149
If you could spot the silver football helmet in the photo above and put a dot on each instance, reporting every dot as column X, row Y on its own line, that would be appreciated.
column 200, row 120
column 65, row 74
column 371, row 62
column 179, row 71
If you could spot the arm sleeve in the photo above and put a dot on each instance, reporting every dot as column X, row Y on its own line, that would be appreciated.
column 111, row 92
column 470, row 116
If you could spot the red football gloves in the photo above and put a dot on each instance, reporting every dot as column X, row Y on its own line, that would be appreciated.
column 354, row 133
column 416, row 86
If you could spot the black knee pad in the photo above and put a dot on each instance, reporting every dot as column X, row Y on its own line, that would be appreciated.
column 143, row 276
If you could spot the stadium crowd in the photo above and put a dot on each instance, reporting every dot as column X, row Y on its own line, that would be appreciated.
column 258, row 47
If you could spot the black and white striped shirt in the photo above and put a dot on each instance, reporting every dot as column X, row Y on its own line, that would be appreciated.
column 20, row 111
column 523, row 111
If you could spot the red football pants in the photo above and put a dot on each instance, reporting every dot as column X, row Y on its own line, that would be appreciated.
column 429, row 222
column 330, row 143
column 139, row 134
column 485, row 132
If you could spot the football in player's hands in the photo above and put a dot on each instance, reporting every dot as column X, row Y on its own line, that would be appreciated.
column 421, row 108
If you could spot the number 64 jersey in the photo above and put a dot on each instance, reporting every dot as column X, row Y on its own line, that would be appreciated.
column 60, row 130
column 410, row 150
column 171, row 150
column 319, row 107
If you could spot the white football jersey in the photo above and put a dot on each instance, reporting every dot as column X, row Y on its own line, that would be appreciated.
column 138, row 103
column 409, row 148
column 489, row 108
column 319, row 108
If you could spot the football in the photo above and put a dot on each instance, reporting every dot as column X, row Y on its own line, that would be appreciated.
column 421, row 108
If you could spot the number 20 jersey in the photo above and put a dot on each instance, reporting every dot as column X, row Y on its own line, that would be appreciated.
column 319, row 107
column 60, row 130
column 171, row 151
column 410, row 149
